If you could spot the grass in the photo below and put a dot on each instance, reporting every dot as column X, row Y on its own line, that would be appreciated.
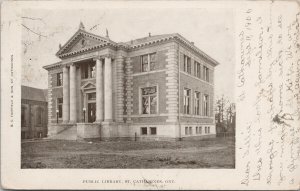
column 209, row 153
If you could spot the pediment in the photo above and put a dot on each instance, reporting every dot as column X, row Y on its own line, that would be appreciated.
column 87, row 86
column 81, row 40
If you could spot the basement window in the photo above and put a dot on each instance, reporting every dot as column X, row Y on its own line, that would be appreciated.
column 153, row 130
column 144, row 130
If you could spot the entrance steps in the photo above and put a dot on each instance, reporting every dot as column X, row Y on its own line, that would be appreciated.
column 67, row 134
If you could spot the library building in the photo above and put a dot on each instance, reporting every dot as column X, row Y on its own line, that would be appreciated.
column 160, row 87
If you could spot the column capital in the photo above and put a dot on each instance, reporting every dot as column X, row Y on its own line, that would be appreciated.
column 108, row 56
column 68, row 64
column 98, row 58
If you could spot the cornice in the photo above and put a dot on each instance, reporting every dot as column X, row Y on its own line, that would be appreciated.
column 76, row 36
column 127, row 47
column 52, row 66
column 96, row 47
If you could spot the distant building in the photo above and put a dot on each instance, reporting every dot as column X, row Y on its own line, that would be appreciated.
column 34, row 117
column 157, row 87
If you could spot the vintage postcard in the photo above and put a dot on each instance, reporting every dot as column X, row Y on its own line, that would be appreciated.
column 150, row 95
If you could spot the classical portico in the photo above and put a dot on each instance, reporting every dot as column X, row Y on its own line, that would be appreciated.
column 103, row 88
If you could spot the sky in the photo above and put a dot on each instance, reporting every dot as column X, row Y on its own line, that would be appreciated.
column 211, row 30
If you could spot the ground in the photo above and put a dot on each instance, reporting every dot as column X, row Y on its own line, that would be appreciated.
column 209, row 153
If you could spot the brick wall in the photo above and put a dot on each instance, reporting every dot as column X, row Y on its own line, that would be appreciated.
column 147, row 80
column 193, row 83
column 161, row 56
column 134, row 80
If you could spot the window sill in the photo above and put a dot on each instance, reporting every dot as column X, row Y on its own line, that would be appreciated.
column 148, row 135
column 195, row 77
column 195, row 116
column 149, row 72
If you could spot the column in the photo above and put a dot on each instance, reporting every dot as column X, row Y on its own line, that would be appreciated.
column 99, row 90
column 73, row 116
column 108, row 89
column 66, row 103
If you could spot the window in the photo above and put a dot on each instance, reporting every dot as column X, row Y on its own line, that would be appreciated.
column 186, row 130
column 205, row 73
column 200, row 130
column 186, row 101
column 196, row 130
column 39, row 116
column 187, row 64
column 88, row 70
column 153, row 130
column 59, row 79
column 197, row 103
column 148, row 62
column 207, row 130
column 92, row 96
column 190, row 131
column 59, row 107
column 205, row 105
column 23, row 114
column 149, row 100
column 197, row 69
column 144, row 130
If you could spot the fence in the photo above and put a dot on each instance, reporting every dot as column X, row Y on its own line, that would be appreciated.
column 225, row 134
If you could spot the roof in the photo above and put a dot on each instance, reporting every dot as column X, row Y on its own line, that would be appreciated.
column 35, row 94
column 148, row 39
column 141, row 42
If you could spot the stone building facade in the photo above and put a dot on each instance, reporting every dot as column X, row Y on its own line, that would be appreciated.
column 158, row 87
column 34, row 111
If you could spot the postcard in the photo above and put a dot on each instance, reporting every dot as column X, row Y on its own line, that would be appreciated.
column 131, row 95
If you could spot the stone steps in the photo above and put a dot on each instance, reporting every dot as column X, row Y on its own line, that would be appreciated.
column 68, row 134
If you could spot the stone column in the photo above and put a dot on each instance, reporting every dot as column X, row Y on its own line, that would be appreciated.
column 108, row 90
column 73, row 114
column 99, row 90
column 66, row 103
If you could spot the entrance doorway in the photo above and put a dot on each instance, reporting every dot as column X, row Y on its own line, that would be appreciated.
column 91, row 112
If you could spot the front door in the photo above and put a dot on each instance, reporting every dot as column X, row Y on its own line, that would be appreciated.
column 91, row 112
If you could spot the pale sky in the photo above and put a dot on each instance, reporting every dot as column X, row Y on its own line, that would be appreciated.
column 211, row 30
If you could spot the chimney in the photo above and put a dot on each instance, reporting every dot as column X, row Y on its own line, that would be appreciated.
column 107, row 36
column 131, row 42
column 81, row 26
column 192, row 43
column 149, row 34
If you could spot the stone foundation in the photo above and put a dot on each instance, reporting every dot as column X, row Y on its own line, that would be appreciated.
column 88, row 130
column 54, row 129
column 112, row 131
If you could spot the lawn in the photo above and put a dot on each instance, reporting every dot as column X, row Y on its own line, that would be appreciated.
column 209, row 153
